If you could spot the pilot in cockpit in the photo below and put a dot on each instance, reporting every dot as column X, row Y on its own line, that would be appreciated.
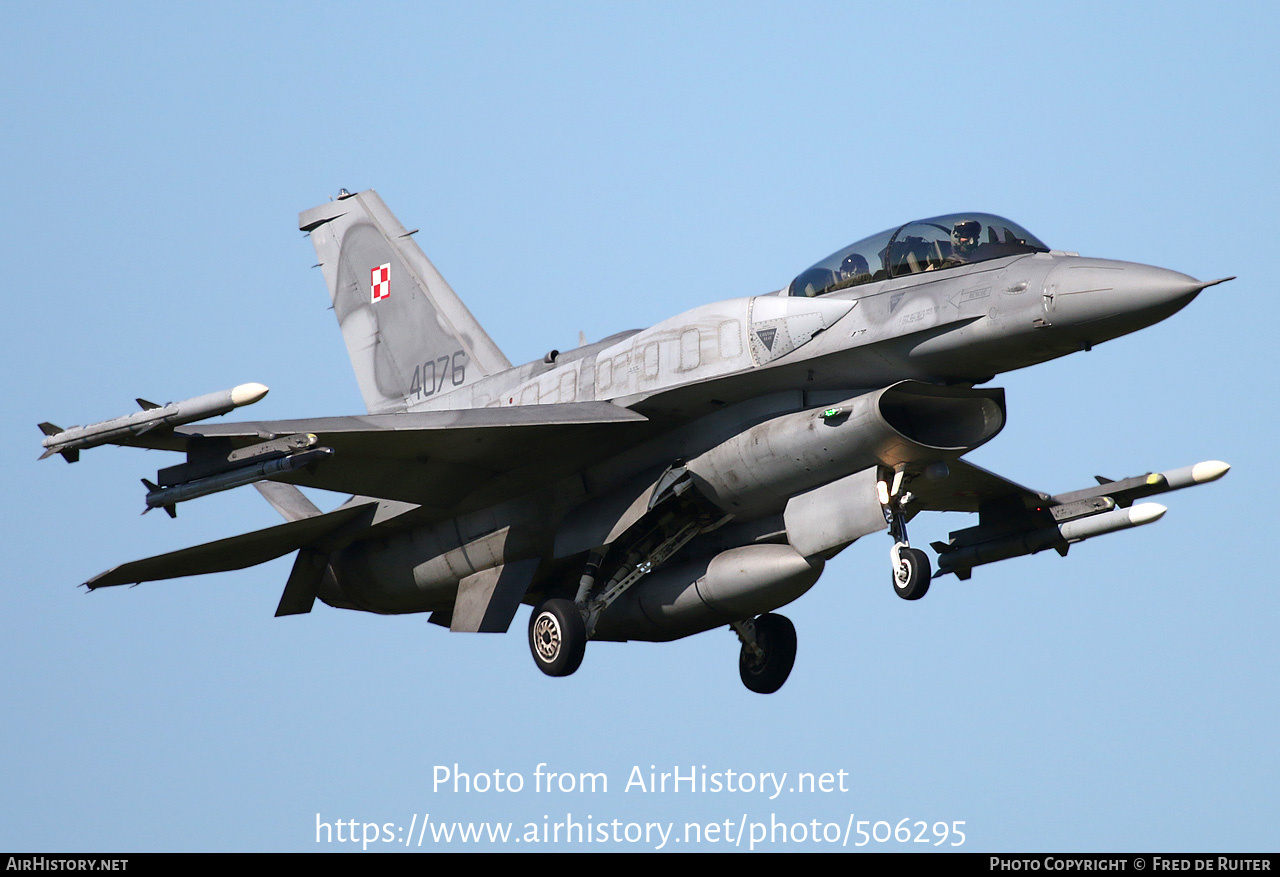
column 854, row 270
column 964, row 240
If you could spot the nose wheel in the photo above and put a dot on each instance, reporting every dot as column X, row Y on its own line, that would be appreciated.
column 910, row 573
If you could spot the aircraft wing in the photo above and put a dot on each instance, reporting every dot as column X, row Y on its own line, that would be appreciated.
column 967, row 487
column 970, row 488
column 1014, row 520
column 431, row 458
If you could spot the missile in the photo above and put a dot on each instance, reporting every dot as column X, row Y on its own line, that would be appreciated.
column 1200, row 473
column 69, row 442
column 167, row 497
column 961, row 560
column 1127, row 490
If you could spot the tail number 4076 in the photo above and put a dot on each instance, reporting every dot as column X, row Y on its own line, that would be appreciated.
column 430, row 376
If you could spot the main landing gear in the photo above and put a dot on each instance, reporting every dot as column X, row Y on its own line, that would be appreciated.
column 557, row 637
column 559, row 628
column 911, row 570
column 768, row 651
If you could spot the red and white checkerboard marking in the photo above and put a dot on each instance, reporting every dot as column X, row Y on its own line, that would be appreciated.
column 380, row 282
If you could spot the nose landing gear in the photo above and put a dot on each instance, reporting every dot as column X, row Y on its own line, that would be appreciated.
column 911, row 570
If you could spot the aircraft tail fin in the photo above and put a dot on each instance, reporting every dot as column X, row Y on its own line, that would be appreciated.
column 408, row 334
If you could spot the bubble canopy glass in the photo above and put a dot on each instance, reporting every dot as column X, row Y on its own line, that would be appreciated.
column 934, row 244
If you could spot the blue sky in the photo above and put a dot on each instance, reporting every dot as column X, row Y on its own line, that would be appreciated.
column 595, row 168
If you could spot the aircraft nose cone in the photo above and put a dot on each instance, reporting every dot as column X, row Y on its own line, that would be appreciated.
column 1145, row 286
column 1089, row 290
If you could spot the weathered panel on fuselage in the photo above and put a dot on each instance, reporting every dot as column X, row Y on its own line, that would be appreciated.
column 705, row 343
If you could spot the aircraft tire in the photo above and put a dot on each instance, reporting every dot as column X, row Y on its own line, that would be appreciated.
column 557, row 637
column 776, row 636
column 911, row 578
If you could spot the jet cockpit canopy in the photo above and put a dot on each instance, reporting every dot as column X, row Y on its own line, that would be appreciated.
column 934, row 244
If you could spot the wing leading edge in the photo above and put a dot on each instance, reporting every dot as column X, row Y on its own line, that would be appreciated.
column 431, row 458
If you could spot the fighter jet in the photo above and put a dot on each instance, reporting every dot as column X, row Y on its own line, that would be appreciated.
column 660, row 482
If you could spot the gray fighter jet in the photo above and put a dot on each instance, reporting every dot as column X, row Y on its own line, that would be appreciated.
column 661, row 482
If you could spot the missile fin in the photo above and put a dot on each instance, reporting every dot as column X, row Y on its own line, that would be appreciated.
column 147, row 406
column 49, row 429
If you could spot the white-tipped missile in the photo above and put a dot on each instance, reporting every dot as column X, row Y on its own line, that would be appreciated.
column 1058, row 537
column 1109, row 522
column 69, row 442
column 1200, row 473
column 1128, row 490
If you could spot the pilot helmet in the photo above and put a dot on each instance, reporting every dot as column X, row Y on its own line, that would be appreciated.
column 964, row 234
column 853, row 265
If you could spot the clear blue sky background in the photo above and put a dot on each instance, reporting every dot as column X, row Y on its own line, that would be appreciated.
column 596, row 168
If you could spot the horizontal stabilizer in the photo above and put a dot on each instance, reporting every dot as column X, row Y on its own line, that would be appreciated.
column 237, row 552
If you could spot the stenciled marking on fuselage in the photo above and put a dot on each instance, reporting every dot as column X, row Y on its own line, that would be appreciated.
column 917, row 316
column 429, row 377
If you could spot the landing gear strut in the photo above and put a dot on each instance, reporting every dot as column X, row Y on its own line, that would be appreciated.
column 559, row 628
column 768, row 652
column 911, row 570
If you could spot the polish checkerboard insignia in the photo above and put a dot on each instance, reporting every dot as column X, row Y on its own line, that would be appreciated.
column 380, row 282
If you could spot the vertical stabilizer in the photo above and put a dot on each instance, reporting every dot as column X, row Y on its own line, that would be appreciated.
column 408, row 334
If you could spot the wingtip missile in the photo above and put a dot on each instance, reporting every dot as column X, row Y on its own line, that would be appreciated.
column 247, row 394
column 1200, row 473
column 1209, row 470
column 120, row 429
